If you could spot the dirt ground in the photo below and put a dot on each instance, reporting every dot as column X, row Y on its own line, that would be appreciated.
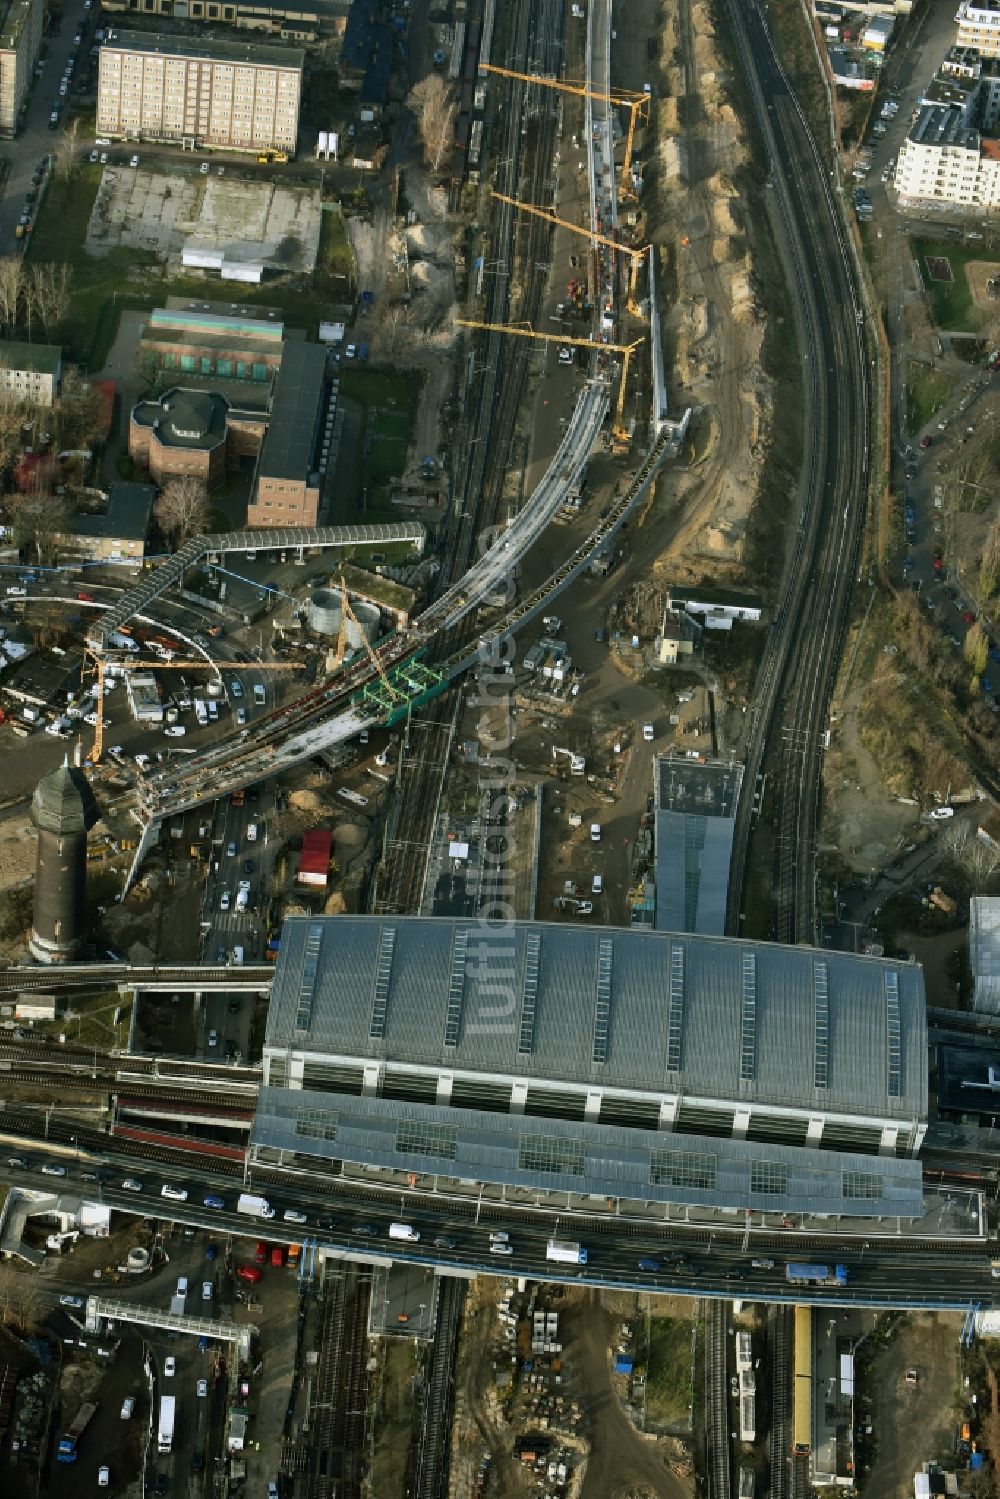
column 388, row 1477
column 17, row 848
column 619, row 1460
column 912, row 1422
column 871, row 826
column 713, row 333
column 977, row 273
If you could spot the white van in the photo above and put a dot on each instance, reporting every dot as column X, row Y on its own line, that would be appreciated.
column 252, row 832
column 403, row 1231
column 175, row 1194
column 237, row 954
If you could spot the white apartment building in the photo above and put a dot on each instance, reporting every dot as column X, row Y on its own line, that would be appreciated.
column 231, row 96
column 20, row 42
column 979, row 26
column 30, row 373
column 944, row 161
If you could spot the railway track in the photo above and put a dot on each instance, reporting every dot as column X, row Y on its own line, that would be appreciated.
column 431, row 1478
column 779, row 1442
column 337, row 1440
column 504, row 365
column 717, row 1441
column 787, row 721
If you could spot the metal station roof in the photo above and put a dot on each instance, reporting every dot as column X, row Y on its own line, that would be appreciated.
column 600, row 1159
column 693, row 854
column 709, row 1017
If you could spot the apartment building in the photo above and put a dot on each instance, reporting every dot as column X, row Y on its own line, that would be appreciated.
column 30, row 373
column 944, row 161
column 979, row 26
column 230, row 96
column 291, row 20
column 20, row 43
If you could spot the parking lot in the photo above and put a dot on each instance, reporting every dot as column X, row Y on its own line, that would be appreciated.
column 202, row 1374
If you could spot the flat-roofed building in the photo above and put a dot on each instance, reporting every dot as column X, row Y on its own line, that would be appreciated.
column 210, row 339
column 288, row 488
column 695, row 818
column 231, row 96
column 944, row 161
column 291, row 20
column 30, row 372
column 979, row 26
column 183, row 434
column 637, row 1066
column 118, row 533
column 20, row 43
column 716, row 608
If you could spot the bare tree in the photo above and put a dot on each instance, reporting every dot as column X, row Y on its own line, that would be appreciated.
column 989, row 563
column 11, row 291
column 182, row 509
column 393, row 319
column 79, row 416
column 976, row 648
column 979, row 858
column 435, row 109
column 49, row 288
column 38, row 520
column 67, row 165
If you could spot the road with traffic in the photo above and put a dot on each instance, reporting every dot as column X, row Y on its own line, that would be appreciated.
column 348, row 1218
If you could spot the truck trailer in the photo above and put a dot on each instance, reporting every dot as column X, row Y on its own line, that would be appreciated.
column 565, row 1253
column 165, row 1430
column 254, row 1206
column 66, row 1451
column 816, row 1275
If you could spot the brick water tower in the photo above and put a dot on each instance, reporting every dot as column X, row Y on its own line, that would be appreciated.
column 63, row 810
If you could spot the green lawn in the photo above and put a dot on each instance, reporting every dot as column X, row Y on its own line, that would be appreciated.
column 385, row 404
column 335, row 260
column 668, row 1374
column 951, row 301
column 926, row 392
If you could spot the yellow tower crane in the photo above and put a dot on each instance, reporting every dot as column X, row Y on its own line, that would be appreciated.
column 129, row 663
column 636, row 104
column 349, row 613
column 636, row 256
column 619, row 434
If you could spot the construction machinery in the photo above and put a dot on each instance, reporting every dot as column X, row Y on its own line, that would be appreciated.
column 636, row 104
column 577, row 763
column 621, row 437
column 635, row 256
